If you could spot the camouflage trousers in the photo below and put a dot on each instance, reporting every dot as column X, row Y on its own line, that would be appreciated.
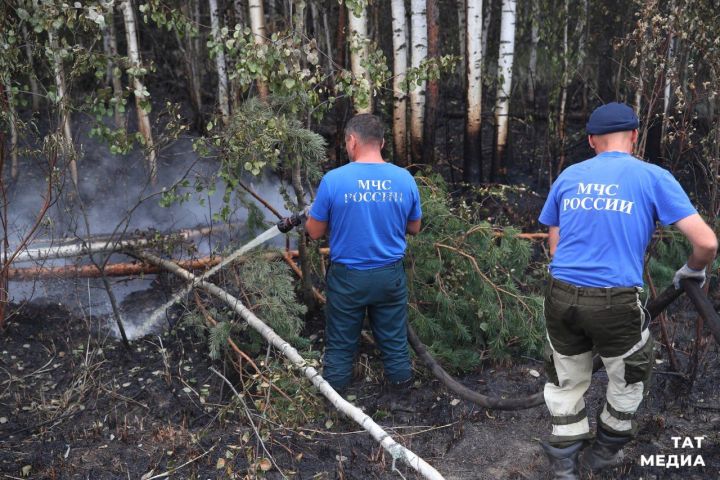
column 612, row 323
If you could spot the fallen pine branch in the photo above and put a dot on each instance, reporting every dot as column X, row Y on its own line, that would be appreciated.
column 396, row 450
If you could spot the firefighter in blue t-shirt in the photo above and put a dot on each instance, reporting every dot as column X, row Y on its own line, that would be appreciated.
column 601, row 214
column 367, row 207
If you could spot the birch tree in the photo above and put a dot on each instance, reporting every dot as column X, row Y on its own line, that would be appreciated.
column 418, row 39
column 142, row 96
column 472, row 165
column 220, row 64
column 461, row 10
column 62, row 102
column 400, row 61
column 358, row 20
column 257, row 25
column 504, row 87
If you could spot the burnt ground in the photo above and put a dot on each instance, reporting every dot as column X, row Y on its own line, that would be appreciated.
column 75, row 404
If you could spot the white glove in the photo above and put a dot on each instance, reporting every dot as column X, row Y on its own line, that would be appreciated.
column 687, row 272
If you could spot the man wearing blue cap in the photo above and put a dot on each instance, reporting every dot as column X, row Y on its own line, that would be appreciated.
column 601, row 215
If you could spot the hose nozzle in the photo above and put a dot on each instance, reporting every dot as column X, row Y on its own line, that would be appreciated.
column 288, row 223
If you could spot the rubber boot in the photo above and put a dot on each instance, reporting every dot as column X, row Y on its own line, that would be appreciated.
column 564, row 461
column 398, row 396
column 606, row 451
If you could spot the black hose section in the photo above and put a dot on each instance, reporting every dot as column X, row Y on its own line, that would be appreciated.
column 703, row 305
column 655, row 307
column 465, row 393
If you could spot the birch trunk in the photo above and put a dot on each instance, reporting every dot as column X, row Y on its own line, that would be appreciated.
column 34, row 86
column 220, row 64
column 418, row 39
column 358, row 55
column 139, row 88
column 68, row 149
column 472, row 164
column 504, row 88
column 115, row 72
column 400, row 62
column 396, row 450
column 563, row 87
column 12, row 118
column 257, row 25
column 534, row 40
column 433, row 87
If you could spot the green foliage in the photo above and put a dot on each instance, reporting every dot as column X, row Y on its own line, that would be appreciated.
column 465, row 287
column 270, row 289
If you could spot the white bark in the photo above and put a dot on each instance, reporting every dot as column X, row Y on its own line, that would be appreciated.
column 76, row 250
column 34, row 86
column 257, row 25
column 418, row 39
column 400, row 63
column 506, row 56
column 474, row 66
column 358, row 55
column 220, row 62
column 396, row 450
column 139, row 89
column 64, row 111
column 534, row 40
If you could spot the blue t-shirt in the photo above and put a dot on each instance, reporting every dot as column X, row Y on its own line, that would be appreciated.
column 606, row 208
column 367, row 207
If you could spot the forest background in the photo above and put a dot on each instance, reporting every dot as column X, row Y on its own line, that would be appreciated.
column 485, row 102
column 145, row 122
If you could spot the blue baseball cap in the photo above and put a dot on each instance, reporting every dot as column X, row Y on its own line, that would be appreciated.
column 612, row 117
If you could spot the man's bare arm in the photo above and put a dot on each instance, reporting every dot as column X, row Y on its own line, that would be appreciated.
column 702, row 239
column 315, row 228
column 553, row 239
column 413, row 227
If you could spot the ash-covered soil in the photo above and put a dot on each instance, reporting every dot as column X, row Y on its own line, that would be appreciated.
column 75, row 404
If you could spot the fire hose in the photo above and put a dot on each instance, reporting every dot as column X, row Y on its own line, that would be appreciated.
column 654, row 308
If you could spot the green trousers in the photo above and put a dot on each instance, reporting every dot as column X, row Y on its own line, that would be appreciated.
column 613, row 323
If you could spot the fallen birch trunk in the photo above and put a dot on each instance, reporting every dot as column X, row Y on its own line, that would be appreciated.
column 396, row 450
column 77, row 250
column 125, row 269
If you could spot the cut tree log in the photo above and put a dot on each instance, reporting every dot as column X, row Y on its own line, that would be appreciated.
column 396, row 450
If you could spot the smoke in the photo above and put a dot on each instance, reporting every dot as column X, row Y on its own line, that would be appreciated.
column 114, row 197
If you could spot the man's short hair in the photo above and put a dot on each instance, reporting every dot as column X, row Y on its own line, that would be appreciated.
column 367, row 128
